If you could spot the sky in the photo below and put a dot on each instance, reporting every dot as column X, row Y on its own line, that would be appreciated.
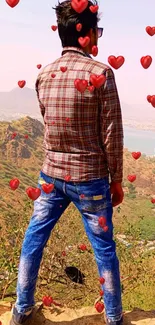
column 26, row 39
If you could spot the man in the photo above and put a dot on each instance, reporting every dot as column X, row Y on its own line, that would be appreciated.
column 83, row 145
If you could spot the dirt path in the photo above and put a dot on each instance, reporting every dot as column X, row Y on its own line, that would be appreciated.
column 83, row 316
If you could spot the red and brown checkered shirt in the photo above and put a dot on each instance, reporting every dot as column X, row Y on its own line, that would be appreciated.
column 83, row 131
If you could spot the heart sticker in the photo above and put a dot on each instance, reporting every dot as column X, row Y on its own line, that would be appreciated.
column 79, row 5
column 14, row 183
column 21, row 83
column 54, row 27
column 136, row 155
column 78, row 27
column 97, row 81
column 33, row 193
column 116, row 62
column 102, row 221
column 47, row 188
column 131, row 178
column 153, row 200
column 12, row 3
column 63, row 69
column 84, row 41
column 150, row 30
column 152, row 100
column 94, row 50
column 93, row 9
column 146, row 61
column 91, row 89
column 149, row 98
column 81, row 85
column 67, row 178
column 53, row 75
column 39, row 66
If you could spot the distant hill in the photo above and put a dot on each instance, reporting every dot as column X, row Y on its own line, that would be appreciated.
column 20, row 102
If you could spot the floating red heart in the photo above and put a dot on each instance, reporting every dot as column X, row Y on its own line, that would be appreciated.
column 93, row 9
column 63, row 69
column 101, row 293
column 83, row 247
column 54, row 27
column 102, row 221
column 97, row 81
column 13, row 135
column 153, row 200
column 47, row 300
column 99, row 306
column 94, row 50
column 152, row 100
column 105, row 228
column 67, row 178
column 33, row 193
column 78, row 27
column 82, row 196
column 81, row 85
column 150, row 30
column 12, row 3
column 79, row 5
column 47, row 188
column 91, row 88
column 116, row 62
column 146, row 61
column 136, row 155
column 14, row 183
column 102, row 280
column 84, row 41
column 131, row 178
column 26, row 136
column 21, row 83
column 53, row 75
column 63, row 253
column 39, row 66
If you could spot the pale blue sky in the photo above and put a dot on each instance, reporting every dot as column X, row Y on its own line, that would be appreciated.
column 26, row 39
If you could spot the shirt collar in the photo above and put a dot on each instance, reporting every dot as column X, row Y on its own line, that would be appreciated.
column 75, row 49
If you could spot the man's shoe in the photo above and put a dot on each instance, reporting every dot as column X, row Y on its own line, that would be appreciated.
column 111, row 322
column 18, row 319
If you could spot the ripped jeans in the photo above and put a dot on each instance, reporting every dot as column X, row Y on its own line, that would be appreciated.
column 93, row 200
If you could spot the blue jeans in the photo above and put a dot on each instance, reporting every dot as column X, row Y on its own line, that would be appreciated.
column 95, row 202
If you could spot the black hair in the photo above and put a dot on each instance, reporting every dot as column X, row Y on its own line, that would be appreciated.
column 68, row 18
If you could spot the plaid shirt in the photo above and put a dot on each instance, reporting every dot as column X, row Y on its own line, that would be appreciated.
column 83, row 131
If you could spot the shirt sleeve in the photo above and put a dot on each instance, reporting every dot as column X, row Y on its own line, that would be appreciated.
column 42, row 108
column 111, row 127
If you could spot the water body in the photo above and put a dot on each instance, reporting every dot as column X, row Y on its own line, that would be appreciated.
column 139, row 140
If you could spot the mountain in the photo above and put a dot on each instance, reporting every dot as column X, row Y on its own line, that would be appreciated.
column 20, row 102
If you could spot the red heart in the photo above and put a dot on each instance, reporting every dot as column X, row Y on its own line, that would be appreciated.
column 84, row 41
column 152, row 100
column 101, row 293
column 153, row 200
column 14, row 183
column 97, row 81
column 91, row 88
column 94, row 50
column 131, row 178
column 33, row 193
column 146, row 61
column 149, row 98
column 93, row 9
column 13, row 135
column 47, row 188
column 67, row 178
column 83, row 247
column 102, row 221
column 116, row 63
column 136, row 155
column 99, row 306
column 21, row 83
column 102, row 280
column 81, row 85
column 63, row 253
column 82, row 196
column 39, row 66
column 53, row 75
column 47, row 300
column 78, row 27
column 63, row 69
column 26, row 136
column 150, row 30
column 67, row 119
column 54, row 27
column 79, row 5
column 105, row 228
column 12, row 3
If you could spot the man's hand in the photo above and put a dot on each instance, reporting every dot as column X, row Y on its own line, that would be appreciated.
column 117, row 193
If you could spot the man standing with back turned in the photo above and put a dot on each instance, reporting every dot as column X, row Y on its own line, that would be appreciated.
column 83, row 145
